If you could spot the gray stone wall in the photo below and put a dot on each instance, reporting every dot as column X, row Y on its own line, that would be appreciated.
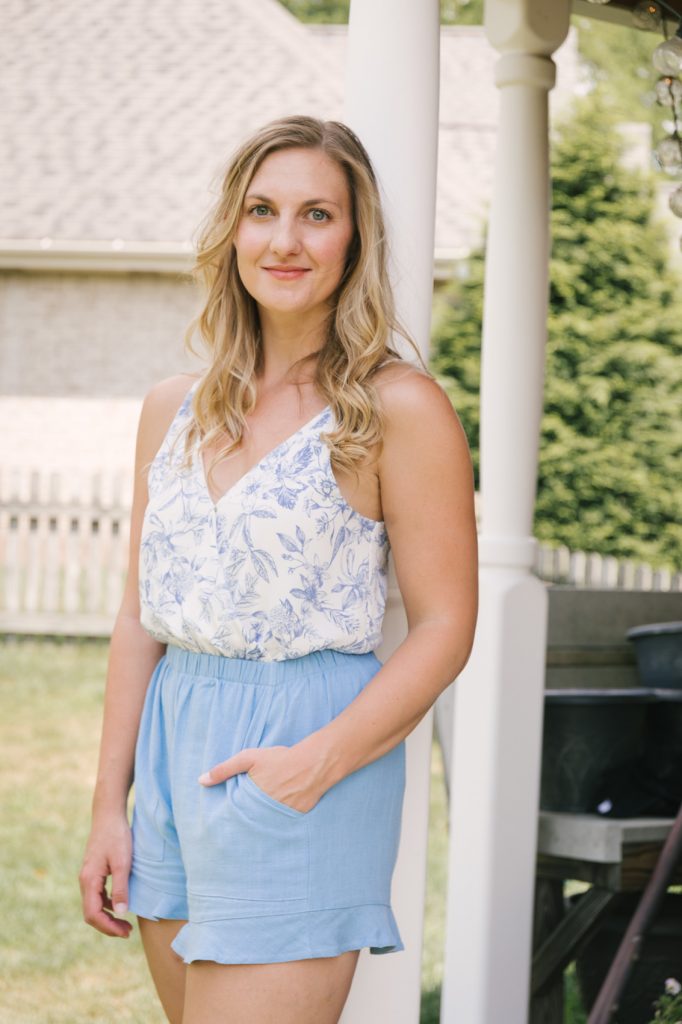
column 92, row 335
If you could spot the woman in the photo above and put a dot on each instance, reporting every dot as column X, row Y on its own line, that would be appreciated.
column 265, row 737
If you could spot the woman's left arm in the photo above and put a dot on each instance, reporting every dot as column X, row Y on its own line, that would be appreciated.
column 427, row 493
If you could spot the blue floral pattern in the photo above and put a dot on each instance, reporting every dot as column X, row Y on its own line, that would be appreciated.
column 280, row 566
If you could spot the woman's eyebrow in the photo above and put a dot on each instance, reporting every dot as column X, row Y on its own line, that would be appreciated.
column 308, row 202
column 314, row 202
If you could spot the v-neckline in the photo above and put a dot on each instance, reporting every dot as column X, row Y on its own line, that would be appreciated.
column 256, row 466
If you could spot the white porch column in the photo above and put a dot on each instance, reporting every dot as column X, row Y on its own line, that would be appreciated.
column 499, row 697
column 392, row 104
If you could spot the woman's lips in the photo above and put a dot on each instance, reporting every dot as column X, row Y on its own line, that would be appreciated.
column 290, row 274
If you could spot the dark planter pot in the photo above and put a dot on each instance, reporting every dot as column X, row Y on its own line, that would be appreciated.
column 658, row 649
column 665, row 722
column 661, row 957
column 586, row 734
column 617, row 753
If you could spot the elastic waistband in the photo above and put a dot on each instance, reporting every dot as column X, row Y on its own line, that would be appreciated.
column 266, row 673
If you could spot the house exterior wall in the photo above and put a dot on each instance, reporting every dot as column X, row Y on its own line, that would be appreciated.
column 92, row 336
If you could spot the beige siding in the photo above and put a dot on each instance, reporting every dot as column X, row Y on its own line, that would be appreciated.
column 95, row 336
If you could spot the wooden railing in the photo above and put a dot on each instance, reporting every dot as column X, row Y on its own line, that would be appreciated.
column 64, row 552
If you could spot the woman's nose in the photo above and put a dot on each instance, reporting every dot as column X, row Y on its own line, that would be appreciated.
column 284, row 238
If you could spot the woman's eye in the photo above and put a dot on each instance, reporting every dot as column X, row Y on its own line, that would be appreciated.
column 323, row 215
column 260, row 209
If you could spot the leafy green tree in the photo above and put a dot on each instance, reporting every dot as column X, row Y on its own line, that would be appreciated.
column 611, row 431
column 618, row 61
column 326, row 12
column 334, row 12
column 461, row 12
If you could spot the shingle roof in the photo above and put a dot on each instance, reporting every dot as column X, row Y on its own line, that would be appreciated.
column 118, row 116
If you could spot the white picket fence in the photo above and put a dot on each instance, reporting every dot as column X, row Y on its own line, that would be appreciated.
column 589, row 569
column 64, row 554
column 63, row 551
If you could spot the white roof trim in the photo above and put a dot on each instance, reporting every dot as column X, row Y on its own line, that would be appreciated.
column 120, row 257
column 117, row 256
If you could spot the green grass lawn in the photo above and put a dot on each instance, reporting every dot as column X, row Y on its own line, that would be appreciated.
column 55, row 969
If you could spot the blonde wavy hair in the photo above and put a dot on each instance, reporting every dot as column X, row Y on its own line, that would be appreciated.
column 362, row 316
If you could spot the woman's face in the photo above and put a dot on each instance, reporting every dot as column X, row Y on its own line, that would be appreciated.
column 294, row 232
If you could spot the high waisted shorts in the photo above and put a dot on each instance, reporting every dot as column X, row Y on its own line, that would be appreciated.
column 256, row 880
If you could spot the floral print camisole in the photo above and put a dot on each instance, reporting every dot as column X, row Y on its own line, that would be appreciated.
column 280, row 566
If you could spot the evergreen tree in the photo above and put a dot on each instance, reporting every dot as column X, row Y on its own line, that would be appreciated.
column 330, row 12
column 611, row 433
column 326, row 12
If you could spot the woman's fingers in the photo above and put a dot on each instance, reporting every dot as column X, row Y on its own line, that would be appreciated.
column 240, row 762
column 281, row 773
column 109, row 853
column 119, row 887
column 95, row 904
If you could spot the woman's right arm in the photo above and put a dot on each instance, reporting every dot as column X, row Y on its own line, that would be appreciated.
column 133, row 655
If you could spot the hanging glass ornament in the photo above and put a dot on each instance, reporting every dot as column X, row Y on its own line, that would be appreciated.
column 675, row 201
column 668, row 91
column 667, row 57
column 669, row 155
column 647, row 14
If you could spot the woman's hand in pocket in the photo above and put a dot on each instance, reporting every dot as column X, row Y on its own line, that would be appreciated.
column 284, row 773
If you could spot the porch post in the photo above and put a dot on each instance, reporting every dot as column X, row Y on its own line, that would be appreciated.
column 499, row 697
column 392, row 103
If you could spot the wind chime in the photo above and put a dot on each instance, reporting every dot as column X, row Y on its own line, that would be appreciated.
column 667, row 61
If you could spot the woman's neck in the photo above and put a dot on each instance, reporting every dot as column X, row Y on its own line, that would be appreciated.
column 285, row 342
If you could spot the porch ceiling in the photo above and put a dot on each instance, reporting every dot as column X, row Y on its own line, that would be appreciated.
column 619, row 11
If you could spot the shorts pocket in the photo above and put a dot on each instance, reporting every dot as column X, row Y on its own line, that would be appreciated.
column 253, row 847
column 246, row 780
column 148, row 841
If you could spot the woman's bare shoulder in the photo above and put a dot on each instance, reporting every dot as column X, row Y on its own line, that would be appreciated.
column 421, row 426
column 409, row 396
column 159, row 407
column 425, row 467
column 165, row 398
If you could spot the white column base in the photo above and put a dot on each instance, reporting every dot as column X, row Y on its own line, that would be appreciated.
column 493, row 805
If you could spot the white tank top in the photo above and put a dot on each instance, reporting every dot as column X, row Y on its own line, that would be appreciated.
column 280, row 566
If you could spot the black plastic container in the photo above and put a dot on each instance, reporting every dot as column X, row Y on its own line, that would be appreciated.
column 658, row 649
column 598, row 742
column 587, row 733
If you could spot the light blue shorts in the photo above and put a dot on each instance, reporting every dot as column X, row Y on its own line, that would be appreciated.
column 258, row 881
